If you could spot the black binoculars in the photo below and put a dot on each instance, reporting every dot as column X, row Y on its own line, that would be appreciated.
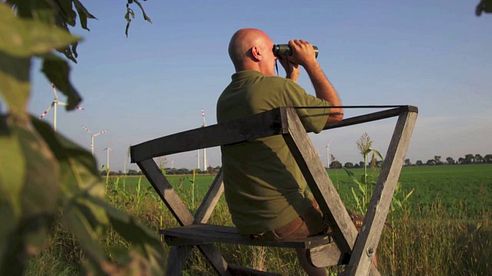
column 285, row 50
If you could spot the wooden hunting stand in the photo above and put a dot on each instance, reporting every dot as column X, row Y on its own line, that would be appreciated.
column 347, row 246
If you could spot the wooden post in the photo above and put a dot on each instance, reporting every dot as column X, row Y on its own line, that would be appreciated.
column 176, row 259
column 368, row 239
column 321, row 186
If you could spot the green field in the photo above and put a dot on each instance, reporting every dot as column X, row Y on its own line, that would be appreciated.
column 457, row 188
column 444, row 228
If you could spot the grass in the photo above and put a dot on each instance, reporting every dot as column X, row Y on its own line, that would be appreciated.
column 444, row 230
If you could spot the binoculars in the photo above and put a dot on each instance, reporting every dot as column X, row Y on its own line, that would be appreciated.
column 285, row 50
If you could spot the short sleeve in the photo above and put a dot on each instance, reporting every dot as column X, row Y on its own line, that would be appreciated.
column 313, row 119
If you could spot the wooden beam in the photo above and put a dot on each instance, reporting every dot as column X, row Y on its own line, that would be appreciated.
column 373, row 116
column 176, row 259
column 367, row 242
column 320, row 184
column 211, row 199
column 244, row 271
column 207, row 233
column 236, row 131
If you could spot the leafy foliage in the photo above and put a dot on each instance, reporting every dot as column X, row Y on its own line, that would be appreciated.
column 130, row 14
column 44, row 177
column 366, row 183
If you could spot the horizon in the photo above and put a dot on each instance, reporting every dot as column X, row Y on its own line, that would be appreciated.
column 156, row 82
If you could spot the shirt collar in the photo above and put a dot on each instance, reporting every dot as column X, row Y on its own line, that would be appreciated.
column 245, row 74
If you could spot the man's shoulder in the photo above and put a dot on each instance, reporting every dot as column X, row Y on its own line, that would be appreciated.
column 281, row 84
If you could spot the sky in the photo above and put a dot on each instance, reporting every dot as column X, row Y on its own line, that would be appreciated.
column 431, row 54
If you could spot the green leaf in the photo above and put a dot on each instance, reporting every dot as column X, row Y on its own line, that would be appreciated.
column 25, row 37
column 78, row 168
column 14, row 83
column 77, row 223
column 86, row 213
column 12, row 177
column 83, row 14
column 145, row 16
column 39, row 10
column 67, row 12
column 57, row 71
column 29, row 193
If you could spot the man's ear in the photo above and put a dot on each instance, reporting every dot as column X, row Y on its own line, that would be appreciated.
column 256, row 53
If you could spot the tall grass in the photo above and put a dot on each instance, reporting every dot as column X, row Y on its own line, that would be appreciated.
column 418, row 241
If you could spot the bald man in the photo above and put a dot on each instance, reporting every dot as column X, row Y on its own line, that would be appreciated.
column 264, row 188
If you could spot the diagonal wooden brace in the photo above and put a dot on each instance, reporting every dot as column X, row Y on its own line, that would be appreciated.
column 184, row 217
column 368, row 239
column 321, row 186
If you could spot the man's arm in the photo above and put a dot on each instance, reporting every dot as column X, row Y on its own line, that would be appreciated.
column 303, row 54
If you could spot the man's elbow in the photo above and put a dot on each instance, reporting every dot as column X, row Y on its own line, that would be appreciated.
column 334, row 118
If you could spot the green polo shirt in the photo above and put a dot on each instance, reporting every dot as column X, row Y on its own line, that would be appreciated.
column 264, row 187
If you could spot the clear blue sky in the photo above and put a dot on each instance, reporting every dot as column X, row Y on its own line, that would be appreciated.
column 432, row 54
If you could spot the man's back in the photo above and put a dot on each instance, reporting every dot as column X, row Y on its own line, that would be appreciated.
column 264, row 187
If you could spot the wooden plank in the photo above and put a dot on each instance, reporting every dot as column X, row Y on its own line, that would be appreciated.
column 211, row 199
column 176, row 259
column 207, row 234
column 215, row 258
column 367, row 242
column 245, row 129
column 243, row 271
column 320, row 184
column 180, row 212
column 373, row 116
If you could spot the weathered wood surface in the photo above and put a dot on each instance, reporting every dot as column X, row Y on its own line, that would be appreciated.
column 211, row 199
column 320, row 184
column 208, row 233
column 372, row 116
column 367, row 242
column 176, row 259
column 243, row 271
column 245, row 129
column 325, row 193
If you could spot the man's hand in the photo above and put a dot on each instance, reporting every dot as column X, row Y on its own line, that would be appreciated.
column 291, row 69
column 302, row 53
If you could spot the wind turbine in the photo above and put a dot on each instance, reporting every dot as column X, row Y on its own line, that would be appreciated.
column 127, row 161
column 328, row 156
column 204, row 124
column 107, row 149
column 93, row 136
column 54, row 104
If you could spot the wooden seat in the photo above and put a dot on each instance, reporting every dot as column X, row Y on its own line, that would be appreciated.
column 356, row 249
column 196, row 234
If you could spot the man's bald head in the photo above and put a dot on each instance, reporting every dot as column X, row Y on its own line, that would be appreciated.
column 242, row 44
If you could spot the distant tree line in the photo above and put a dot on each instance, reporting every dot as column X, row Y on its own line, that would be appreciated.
column 437, row 160
column 167, row 171
column 335, row 164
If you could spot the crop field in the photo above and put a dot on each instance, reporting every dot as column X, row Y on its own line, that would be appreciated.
column 456, row 188
column 443, row 228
